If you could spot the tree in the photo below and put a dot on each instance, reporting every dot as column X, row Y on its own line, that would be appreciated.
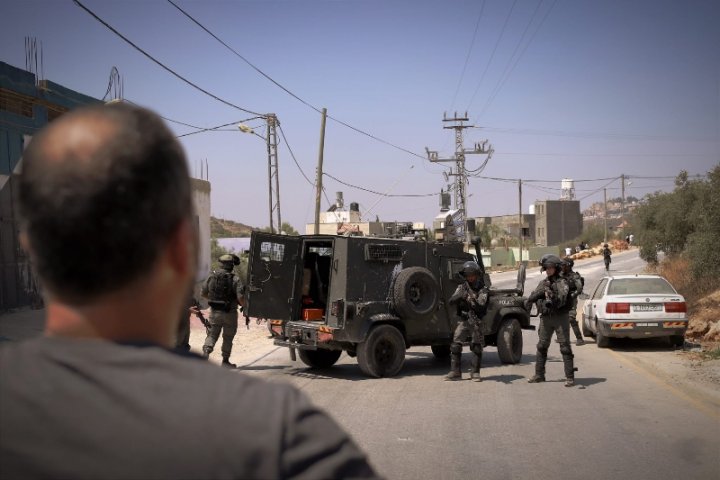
column 287, row 228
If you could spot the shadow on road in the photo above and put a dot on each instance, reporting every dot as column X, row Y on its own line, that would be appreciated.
column 506, row 379
column 250, row 368
column 582, row 381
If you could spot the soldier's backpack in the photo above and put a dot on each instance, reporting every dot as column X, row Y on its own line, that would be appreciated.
column 220, row 290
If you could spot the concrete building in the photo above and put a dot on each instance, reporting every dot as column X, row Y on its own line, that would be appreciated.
column 350, row 222
column 510, row 225
column 26, row 105
column 557, row 221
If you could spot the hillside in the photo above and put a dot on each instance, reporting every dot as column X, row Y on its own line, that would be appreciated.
column 221, row 228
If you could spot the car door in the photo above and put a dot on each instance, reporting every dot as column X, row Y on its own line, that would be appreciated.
column 595, row 302
column 273, row 269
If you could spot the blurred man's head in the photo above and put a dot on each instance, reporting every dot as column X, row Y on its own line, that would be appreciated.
column 104, row 193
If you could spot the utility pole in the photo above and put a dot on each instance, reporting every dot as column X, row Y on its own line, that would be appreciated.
column 460, row 194
column 319, row 173
column 273, row 170
column 520, row 218
column 622, row 202
column 605, row 215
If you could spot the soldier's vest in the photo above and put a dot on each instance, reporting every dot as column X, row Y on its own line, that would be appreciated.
column 220, row 291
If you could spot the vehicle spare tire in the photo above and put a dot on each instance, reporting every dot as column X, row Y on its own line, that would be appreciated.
column 382, row 354
column 415, row 293
column 510, row 341
column 319, row 358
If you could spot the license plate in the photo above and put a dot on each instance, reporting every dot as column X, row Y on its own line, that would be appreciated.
column 648, row 307
column 646, row 324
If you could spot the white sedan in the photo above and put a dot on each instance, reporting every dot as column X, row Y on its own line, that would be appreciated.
column 634, row 306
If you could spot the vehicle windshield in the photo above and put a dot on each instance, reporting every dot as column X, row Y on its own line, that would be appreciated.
column 640, row 286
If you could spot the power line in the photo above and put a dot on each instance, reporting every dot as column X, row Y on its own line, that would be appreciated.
column 165, row 67
column 517, row 46
column 202, row 130
column 379, row 193
column 673, row 155
column 282, row 133
column 286, row 90
column 497, row 90
column 600, row 135
column 467, row 57
column 487, row 65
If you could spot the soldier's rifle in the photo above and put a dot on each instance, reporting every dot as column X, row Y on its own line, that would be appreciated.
column 198, row 313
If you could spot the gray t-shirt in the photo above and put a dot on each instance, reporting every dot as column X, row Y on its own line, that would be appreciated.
column 95, row 409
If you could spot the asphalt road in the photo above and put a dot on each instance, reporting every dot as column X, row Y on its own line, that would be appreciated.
column 620, row 421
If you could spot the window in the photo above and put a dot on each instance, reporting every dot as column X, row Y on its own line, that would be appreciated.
column 600, row 289
column 383, row 253
column 272, row 252
column 640, row 286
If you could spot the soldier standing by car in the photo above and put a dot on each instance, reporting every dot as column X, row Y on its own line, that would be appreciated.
column 576, row 283
column 607, row 257
column 470, row 299
column 224, row 292
column 553, row 304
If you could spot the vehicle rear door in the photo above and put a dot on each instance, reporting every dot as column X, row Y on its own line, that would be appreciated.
column 273, row 268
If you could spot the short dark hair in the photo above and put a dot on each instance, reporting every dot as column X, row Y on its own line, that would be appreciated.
column 97, row 216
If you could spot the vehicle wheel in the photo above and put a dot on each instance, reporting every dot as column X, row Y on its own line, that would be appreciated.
column 510, row 341
column 319, row 358
column 601, row 340
column 441, row 352
column 382, row 353
column 585, row 329
column 415, row 293
column 677, row 340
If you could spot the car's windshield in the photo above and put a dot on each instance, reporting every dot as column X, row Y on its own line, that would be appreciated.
column 639, row 286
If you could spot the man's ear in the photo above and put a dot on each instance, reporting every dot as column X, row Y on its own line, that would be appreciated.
column 25, row 241
column 182, row 248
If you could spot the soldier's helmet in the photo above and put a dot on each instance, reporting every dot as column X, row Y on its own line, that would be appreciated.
column 470, row 268
column 606, row 245
column 569, row 262
column 544, row 257
column 550, row 261
column 229, row 260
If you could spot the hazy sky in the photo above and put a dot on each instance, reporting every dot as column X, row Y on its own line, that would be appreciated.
column 593, row 89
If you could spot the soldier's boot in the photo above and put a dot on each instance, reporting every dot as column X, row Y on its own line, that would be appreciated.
column 455, row 373
column 539, row 367
column 206, row 352
column 226, row 363
column 475, row 368
column 578, row 334
column 569, row 364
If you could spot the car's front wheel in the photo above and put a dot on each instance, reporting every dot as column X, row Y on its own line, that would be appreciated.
column 382, row 354
column 510, row 341
column 319, row 358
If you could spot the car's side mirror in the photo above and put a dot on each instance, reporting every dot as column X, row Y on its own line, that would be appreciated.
column 583, row 296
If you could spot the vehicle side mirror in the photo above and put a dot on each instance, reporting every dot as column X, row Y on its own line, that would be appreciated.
column 583, row 296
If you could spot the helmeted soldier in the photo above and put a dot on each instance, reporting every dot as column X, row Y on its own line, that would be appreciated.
column 553, row 304
column 607, row 256
column 576, row 283
column 224, row 292
column 470, row 299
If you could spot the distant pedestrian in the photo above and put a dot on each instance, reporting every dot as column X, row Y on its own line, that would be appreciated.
column 631, row 240
column 568, row 251
column 607, row 257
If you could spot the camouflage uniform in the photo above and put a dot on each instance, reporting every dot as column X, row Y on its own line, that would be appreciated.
column 575, row 281
column 471, row 303
column 223, row 320
column 553, row 319
column 607, row 257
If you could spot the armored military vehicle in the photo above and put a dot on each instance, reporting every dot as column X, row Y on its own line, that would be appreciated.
column 371, row 297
